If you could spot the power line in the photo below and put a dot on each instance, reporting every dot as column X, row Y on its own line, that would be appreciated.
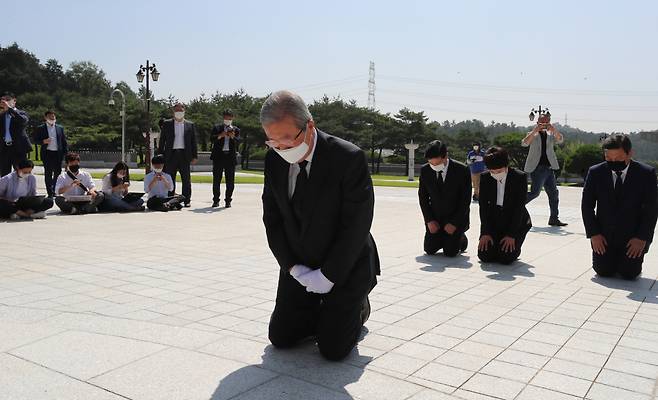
column 477, row 100
column 579, row 92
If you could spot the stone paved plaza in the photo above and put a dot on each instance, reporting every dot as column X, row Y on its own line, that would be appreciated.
column 176, row 306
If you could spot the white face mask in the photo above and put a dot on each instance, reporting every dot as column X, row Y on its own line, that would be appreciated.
column 121, row 176
column 24, row 174
column 51, row 122
column 228, row 122
column 179, row 115
column 294, row 154
column 476, row 148
column 157, row 170
column 499, row 176
column 438, row 168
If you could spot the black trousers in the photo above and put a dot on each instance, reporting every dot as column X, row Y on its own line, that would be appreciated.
column 333, row 318
column 9, row 158
column 23, row 204
column 451, row 244
column 614, row 261
column 52, row 165
column 496, row 254
column 223, row 165
column 179, row 163
column 158, row 203
column 83, row 208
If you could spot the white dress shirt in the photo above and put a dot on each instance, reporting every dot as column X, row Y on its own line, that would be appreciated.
column 500, row 190
column 64, row 180
column 52, row 135
column 226, row 139
column 445, row 171
column 623, row 176
column 179, row 135
column 293, row 172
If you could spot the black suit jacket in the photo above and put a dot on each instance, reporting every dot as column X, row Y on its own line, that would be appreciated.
column 515, row 220
column 335, row 233
column 167, row 135
column 41, row 134
column 21, row 142
column 632, row 217
column 453, row 204
column 218, row 144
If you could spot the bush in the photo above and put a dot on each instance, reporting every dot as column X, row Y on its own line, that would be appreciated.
column 395, row 159
column 258, row 154
column 582, row 158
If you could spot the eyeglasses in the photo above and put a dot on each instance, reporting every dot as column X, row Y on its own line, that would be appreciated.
column 287, row 143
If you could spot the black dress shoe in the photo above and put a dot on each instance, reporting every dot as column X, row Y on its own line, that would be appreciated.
column 463, row 243
column 365, row 311
column 186, row 205
column 556, row 222
column 215, row 204
column 228, row 203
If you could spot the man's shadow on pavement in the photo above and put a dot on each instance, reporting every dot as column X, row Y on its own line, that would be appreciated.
column 509, row 272
column 639, row 289
column 439, row 262
column 301, row 373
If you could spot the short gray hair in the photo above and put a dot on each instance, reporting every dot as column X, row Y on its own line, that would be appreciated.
column 282, row 104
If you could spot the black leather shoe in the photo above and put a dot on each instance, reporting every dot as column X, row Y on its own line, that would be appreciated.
column 365, row 311
column 464, row 244
column 215, row 204
column 186, row 205
column 228, row 204
column 556, row 222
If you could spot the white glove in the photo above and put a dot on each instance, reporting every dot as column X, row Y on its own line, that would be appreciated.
column 298, row 270
column 316, row 282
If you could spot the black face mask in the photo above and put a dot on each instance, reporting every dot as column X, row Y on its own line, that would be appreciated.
column 617, row 165
column 74, row 168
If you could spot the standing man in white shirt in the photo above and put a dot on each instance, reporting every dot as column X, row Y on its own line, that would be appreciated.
column 178, row 144
column 74, row 182
column 226, row 138
column 504, row 219
column 53, row 148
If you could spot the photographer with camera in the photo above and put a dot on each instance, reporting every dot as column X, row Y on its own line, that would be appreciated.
column 542, row 163
column 226, row 139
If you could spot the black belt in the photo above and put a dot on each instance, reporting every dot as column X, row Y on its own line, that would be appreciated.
column 179, row 149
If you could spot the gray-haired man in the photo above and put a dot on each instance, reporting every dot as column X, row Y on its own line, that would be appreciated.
column 318, row 205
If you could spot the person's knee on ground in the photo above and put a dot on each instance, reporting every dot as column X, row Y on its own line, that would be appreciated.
column 603, row 269
column 335, row 350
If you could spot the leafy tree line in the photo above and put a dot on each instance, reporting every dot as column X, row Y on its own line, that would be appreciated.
column 79, row 95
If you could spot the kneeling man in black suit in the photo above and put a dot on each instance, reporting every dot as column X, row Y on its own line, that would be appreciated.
column 318, row 205
column 444, row 193
column 504, row 219
column 623, row 191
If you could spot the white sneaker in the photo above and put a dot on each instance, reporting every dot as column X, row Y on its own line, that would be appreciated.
column 39, row 215
column 14, row 217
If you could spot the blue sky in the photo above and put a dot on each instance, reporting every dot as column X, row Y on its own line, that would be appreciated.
column 593, row 62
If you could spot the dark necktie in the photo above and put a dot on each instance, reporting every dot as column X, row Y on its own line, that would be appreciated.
column 439, row 181
column 300, row 191
column 618, row 185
